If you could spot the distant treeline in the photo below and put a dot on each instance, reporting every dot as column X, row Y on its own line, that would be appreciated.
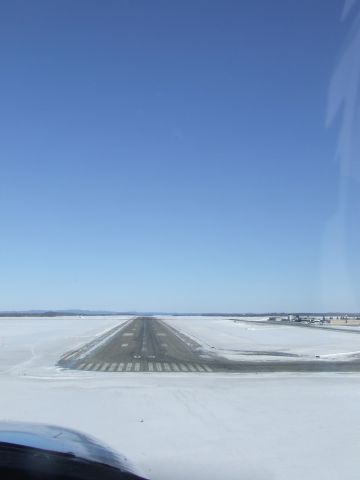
column 72, row 313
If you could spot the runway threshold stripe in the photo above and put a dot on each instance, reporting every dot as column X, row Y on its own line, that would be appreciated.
column 112, row 367
column 199, row 368
column 183, row 368
column 104, row 367
column 208, row 369
column 175, row 367
column 81, row 366
column 191, row 368
column 137, row 366
column 158, row 367
column 128, row 367
column 120, row 367
column 89, row 366
column 97, row 366
column 67, row 356
column 167, row 367
column 150, row 367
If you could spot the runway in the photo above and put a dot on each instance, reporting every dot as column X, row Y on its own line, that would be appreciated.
column 148, row 344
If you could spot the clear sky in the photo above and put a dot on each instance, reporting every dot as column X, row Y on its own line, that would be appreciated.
column 167, row 155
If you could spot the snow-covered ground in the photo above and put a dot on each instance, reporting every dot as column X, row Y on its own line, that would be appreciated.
column 179, row 425
column 33, row 341
column 239, row 339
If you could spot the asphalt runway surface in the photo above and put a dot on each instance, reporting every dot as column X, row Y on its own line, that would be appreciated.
column 147, row 344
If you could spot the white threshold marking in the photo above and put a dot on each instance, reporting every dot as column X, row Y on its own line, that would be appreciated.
column 68, row 355
column 81, row 366
column 167, row 367
column 124, row 345
column 150, row 366
column 158, row 367
column 175, row 367
column 137, row 366
column 120, row 367
column 183, row 368
column 192, row 368
column 97, row 366
column 112, row 367
column 104, row 367
column 208, row 369
column 128, row 367
column 199, row 368
column 89, row 366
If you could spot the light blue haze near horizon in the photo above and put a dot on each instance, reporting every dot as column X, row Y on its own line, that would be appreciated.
column 167, row 155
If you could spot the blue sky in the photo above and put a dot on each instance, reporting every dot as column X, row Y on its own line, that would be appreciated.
column 167, row 155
